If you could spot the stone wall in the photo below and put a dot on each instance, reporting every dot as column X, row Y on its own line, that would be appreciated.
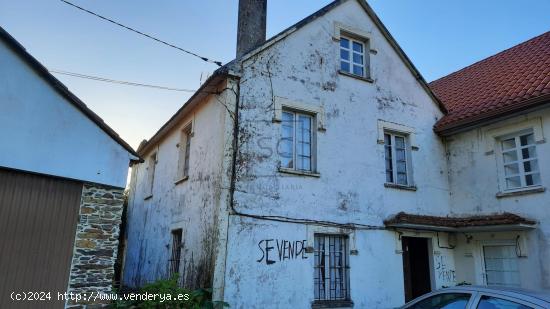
column 96, row 241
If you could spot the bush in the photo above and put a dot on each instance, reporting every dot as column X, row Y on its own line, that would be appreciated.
column 168, row 288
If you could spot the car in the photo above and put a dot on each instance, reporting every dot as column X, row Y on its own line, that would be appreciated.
column 481, row 297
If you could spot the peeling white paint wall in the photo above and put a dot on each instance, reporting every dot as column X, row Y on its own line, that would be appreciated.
column 475, row 182
column 193, row 205
column 44, row 133
column 303, row 68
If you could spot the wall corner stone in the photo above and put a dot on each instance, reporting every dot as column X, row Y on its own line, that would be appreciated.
column 96, row 244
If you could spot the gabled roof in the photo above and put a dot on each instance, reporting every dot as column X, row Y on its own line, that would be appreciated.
column 513, row 80
column 225, row 70
column 370, row 12
column 62, row 89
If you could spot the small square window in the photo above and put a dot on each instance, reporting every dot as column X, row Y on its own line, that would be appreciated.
column 353, row 56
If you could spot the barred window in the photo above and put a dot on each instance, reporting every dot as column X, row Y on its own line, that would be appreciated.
column 331, row 267
column 175, row 258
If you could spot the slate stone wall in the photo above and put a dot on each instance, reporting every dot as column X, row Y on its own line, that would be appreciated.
column 96, row 241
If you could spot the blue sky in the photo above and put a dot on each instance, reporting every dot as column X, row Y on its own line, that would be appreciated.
column 439, row 36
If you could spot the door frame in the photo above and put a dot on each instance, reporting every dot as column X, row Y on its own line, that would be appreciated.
column 429, row 241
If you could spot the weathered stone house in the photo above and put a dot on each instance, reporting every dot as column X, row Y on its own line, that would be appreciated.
column 62, row 177
column 307, row 173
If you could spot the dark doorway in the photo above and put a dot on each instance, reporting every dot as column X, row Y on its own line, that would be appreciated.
column 416, row 267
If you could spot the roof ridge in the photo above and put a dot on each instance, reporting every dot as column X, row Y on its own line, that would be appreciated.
column 490, row 57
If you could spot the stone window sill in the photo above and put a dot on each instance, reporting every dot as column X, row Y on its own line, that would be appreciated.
column 148, row 197
column 298, row 172
column 332, row 304
column 365, row 79
column 519, row 192
column 184, row 178
column 400, row 187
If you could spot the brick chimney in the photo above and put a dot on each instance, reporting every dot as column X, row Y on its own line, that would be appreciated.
column 251, row 27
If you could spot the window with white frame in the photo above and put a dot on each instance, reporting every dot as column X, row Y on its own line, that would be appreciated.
column 519, row 159
column 151, row 164
column 396, row 153
column 296, row 147
column 185, row 150
column 331, row 278
column 353, row 55
column 501, row 265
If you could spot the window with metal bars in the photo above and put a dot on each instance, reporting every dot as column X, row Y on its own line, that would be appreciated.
column 331, row 268
column 396, row 159
column 296, row 145
column 519, row 154
column 175, row 257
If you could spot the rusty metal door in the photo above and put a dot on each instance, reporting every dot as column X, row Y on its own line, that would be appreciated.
column 38, row 217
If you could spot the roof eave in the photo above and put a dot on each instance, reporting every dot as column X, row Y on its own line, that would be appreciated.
column 470, row 229
column 402, row 54
column 521, row 108
column 370, row 12
column 209, row 87
column 65, row 92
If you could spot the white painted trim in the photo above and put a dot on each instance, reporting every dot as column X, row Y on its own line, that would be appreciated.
column 353, row 32
column 318, row 111
column 397, row 128
column 315, row 229
column 493, row 133
column 479, row 258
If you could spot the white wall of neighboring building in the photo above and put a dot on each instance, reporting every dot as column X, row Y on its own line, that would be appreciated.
column 44, row 133
column 475, row 179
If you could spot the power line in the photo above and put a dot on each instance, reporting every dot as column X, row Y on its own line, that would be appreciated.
column 114, row 81
column 144, row 34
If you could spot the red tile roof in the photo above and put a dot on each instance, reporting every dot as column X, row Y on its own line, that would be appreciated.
column 512, row 80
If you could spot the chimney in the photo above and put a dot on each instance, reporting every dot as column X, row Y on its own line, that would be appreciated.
column 251, row 27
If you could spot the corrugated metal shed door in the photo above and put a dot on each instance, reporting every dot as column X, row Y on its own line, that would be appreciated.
column 38, row 217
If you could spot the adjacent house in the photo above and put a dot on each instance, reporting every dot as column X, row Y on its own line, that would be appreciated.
column 62, row 176
column 319, row 169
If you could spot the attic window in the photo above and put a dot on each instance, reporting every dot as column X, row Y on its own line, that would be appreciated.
column 354, row 56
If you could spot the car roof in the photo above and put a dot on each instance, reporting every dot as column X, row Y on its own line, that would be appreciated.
column 515, row 292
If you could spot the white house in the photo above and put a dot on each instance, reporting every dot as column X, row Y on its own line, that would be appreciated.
column 62, row 176
column 307, row 173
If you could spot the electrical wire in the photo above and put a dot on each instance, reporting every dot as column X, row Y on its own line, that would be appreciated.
column 143, row 34
column 114, row 81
